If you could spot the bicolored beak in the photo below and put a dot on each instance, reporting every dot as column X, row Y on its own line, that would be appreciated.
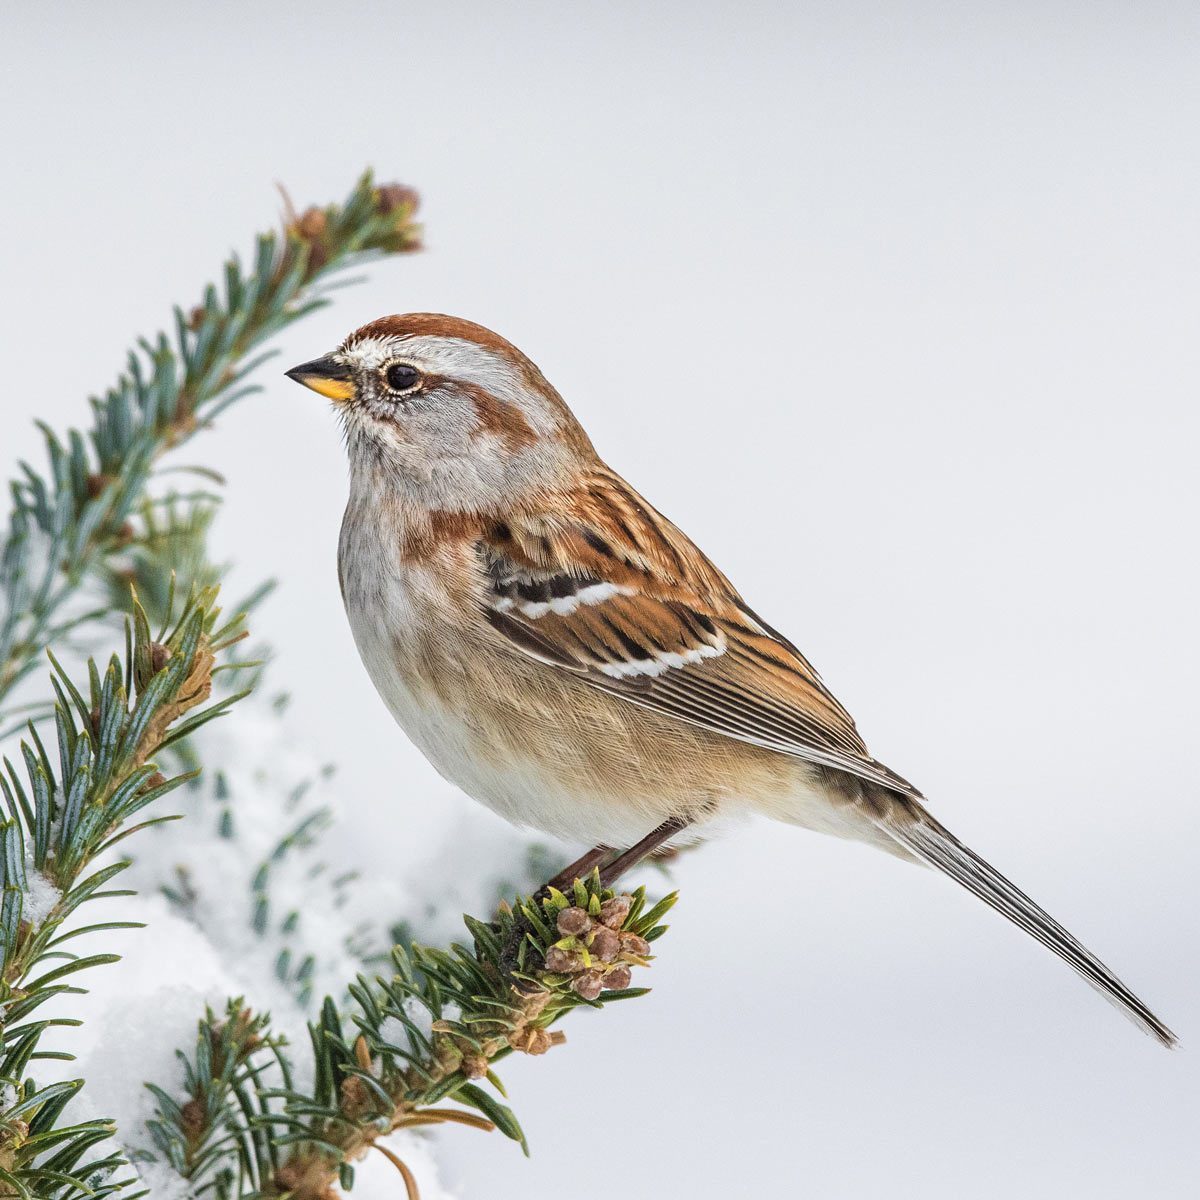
column 326, row 376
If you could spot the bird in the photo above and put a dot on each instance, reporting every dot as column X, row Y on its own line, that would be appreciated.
column 567, row 656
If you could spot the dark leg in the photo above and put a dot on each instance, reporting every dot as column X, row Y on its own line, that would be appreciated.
column 619, row 865
column 582, row 867
column 579, row 869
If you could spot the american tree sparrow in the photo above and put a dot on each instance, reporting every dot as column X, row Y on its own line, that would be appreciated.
column 564, row 654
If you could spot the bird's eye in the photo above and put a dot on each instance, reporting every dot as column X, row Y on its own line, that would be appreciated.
column 402, row 378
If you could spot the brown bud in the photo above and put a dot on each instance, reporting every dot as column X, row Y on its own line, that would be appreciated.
column 196, row 318
column 159, row 656
column 193, row 1117
column 288, row 1177
column 632, row 944
column 613, row 912
column 155, row 780
column 362, row 1053
column 125, row 533
column 448, row 1053
column 474, row 1066
column 605, row 944
column 391, row 196
column 355, row 1097
column 94, row 721
column 618, row 977
column 587, row 985
column 530, row 1040
column 534, row 1005
column 563, row 962
column 573, row 921
column 311, row 224
column 96, row 484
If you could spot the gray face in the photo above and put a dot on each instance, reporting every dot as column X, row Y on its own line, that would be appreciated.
column 450, row 424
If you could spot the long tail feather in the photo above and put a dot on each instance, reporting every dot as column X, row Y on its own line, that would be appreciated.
column 934, row 845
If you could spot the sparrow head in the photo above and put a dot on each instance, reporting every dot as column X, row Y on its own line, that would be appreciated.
column 447, row 412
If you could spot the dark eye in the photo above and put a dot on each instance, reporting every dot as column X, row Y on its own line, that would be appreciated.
column 401, row 377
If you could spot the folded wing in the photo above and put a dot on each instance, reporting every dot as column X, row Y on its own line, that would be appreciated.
column 618, row 595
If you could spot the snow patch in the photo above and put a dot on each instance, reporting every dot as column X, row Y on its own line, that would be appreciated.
column 40, row 895
column 377, row 1179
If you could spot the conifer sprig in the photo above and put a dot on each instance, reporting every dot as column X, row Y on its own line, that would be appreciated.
column 413, row 1049
column 212, row 1138
column 426, row 1035
column 64, row 811
column 66, row 520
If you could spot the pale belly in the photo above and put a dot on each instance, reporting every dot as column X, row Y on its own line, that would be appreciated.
column 546, row 751
column 518, row 766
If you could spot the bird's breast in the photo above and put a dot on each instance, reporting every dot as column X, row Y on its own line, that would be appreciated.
column 408, row 613
column 533, row 743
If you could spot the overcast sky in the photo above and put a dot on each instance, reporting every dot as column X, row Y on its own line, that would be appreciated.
column 893, row 307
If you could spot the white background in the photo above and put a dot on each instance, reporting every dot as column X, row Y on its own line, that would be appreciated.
column 894, row 308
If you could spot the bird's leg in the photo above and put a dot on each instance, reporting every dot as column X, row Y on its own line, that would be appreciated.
column 579, row 869
column 628, row 858
column 563, row 881
column 582, row 866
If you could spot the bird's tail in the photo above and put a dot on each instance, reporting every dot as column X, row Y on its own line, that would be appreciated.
column 927, row 840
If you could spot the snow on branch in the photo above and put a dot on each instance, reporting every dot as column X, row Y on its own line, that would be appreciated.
column 65, row 812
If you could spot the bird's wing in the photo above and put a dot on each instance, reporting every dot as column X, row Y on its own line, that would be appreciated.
column 604, row 586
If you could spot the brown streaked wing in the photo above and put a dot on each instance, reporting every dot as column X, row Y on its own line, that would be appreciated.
column 607, row 588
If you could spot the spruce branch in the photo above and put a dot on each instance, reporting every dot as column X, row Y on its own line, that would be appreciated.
column 412, row 1050
column 432, row 1032
column 67, row 521
column 208, row 1137
column 63, row 814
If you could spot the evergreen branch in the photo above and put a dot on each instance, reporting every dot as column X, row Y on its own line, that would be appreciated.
column 67, row 522
column 61, row 815
column 204, row 1138
column 413, row 1041
column 175, row 545
column 428, row 1033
